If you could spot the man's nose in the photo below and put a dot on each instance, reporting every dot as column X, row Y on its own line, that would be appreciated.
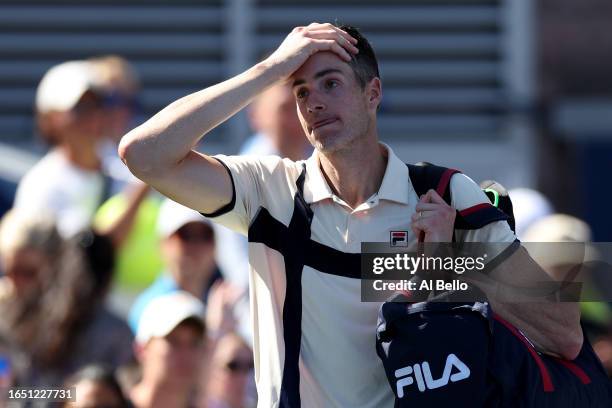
column 315, row 104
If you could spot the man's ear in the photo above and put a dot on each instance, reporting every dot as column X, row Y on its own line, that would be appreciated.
column 374, row 93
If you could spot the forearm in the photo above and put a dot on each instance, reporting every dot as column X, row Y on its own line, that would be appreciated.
column 553, row 328
column 167, row 138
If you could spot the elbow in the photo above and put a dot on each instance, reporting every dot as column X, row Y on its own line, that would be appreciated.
column 132, row 152
column 570, row 345
column 125, row 150
column 573, row 346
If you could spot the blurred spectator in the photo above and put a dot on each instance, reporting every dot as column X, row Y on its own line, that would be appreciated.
column 52, row 302
column 188, row 251
column 170, row 346
column 131, row 217
column 528, row 206
column 96, row 387
column 67, row 181
column 119, row 83
column 231, row 383
column 131, row 212
column 273, row 116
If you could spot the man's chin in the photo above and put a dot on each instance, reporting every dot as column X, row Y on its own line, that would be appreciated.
column 330, row 144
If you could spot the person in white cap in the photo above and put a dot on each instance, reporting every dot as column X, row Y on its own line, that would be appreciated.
column 170, row 345
column 66, row 182
column 188, row 251
column 529, row 206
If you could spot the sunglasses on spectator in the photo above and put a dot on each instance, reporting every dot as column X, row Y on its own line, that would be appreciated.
column 237, row 366
column 87, row 106
column 195, row 235
column 119, row 100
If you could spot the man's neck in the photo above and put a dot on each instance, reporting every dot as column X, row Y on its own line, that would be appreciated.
column 145, row 395
column 355, row 174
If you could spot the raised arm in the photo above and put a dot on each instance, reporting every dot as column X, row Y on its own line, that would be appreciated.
column 160, row 151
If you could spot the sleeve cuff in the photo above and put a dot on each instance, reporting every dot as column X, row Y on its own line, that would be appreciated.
column 229, row 206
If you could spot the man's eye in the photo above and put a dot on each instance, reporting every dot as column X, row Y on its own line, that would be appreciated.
column 331, row 84
column 300, row 94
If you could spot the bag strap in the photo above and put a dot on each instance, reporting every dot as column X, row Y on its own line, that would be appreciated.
column 425, row 176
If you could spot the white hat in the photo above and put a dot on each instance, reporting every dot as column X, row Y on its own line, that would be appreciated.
column 164, row 313
column 558, row 228
column 63, row 85
column 173, row 216
column 528, row 206
column 559, row 239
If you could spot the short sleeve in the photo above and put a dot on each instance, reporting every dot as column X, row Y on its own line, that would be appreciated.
column 465, row 194
column 256, row 182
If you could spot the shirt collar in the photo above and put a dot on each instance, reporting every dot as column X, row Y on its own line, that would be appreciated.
column 394, row 186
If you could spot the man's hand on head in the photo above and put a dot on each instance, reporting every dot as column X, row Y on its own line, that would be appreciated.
column 433, row 218
column 302, row 42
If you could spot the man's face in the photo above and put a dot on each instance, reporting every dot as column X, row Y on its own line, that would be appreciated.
column 190, row 251
column 176, row 357
column 334, row 110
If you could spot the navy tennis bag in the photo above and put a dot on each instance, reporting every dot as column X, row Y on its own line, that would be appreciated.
column 455, row 354
column 447, row 353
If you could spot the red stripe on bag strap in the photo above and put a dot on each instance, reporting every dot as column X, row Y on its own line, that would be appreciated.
column 474, row 208
column 546, row 380
column 576, row 370
column 441, row 190
column 444, row 180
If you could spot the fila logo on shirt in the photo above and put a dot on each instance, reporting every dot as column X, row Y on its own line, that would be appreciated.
column 424, row 379
column 399, row 239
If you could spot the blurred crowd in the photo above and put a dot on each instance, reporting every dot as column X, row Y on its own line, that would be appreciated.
column 82, row 230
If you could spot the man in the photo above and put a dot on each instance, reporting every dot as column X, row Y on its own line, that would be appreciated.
column 67, row 182
column 170, row 346
column 188, row 251
column 314, row 342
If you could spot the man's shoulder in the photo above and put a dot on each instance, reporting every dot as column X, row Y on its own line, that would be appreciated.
column 271, row 167
column 465, row 192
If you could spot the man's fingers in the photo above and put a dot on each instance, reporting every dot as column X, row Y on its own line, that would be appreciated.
column 332, row 45
column 434, row 197
column 423, row 215
column 328, row 26
column 346, row 35
column 421, row 206
column 332, row 35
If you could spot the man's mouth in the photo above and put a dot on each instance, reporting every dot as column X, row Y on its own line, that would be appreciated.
column 323, row 122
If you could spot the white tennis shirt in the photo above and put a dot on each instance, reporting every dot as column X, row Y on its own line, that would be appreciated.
column 314, row 340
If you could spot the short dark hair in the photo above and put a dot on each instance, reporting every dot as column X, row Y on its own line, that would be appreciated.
column 364, row 63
